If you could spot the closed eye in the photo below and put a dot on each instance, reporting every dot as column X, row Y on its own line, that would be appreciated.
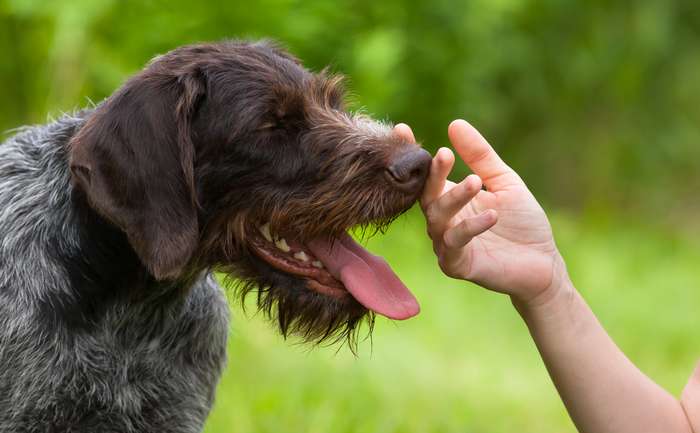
column 267, row 126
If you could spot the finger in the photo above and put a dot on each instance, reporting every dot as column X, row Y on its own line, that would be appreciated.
column 460, row 235
column 478, row 154
column 439, row 169
column 443, row 209
column 405, row 131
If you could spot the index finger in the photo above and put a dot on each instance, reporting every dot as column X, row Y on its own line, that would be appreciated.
column 441, row 166
column 478, row 154
column 439, row 169
column 405, row 131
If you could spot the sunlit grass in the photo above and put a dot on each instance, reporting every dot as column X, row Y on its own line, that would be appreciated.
column 466, row 363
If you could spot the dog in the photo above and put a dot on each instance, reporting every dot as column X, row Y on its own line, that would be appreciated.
column 225, row 157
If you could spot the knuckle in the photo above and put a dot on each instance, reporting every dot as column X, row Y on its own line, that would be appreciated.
column 448, row 269
column 425, row 202
column 433, row 235
column 451, row 198
column 447, row 240
column 432, row 215
column 466, row 226
column 438, row 249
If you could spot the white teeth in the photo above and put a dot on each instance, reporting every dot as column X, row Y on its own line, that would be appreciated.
column 265, row 230
column 317, row 264
column 301, row 256
column 282, row 245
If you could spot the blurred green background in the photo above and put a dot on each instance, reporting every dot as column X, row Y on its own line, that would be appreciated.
column 596, row 104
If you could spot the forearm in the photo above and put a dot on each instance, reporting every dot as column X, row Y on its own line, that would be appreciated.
column 601, row 388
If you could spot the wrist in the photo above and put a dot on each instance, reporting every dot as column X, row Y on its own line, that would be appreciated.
column 555, row 298
column 556, row 301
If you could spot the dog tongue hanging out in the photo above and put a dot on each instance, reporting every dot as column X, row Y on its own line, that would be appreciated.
column 336, row 267
column 368, row 278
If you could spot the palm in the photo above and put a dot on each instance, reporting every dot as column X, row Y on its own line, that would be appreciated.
column 514, row 255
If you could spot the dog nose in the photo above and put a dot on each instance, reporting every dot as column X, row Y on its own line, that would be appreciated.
column 409, row 170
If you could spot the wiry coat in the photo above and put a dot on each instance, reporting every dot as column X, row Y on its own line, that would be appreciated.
column 89, row 342
column 112, row 220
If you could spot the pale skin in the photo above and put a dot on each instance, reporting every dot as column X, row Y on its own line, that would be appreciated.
column 501, row 239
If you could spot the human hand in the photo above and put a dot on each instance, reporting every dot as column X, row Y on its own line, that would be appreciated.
column 499, row 238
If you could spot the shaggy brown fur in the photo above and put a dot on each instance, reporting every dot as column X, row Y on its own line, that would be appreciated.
column 209, row 142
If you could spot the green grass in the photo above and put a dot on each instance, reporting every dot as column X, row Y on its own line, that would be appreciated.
column 466, row 363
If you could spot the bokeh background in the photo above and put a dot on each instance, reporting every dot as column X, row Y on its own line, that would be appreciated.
column 596, row 104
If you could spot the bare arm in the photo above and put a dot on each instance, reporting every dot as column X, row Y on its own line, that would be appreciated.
column 601, row 388
column 501, row 239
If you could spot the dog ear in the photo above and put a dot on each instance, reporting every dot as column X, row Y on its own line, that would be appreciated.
column 134, row 159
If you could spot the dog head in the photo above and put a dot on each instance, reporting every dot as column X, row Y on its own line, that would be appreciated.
column 232, row 156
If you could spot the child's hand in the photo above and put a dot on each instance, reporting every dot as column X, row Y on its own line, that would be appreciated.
column 499, row 238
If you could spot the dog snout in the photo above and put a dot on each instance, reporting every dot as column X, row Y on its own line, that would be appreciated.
column 409, row 170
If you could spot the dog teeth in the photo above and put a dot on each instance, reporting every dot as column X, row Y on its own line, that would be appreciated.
column 317, row 264
column 265, row 230
column 301, row 256
column 282, row 245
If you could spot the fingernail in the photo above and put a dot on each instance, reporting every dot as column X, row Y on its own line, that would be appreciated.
column 445, row 152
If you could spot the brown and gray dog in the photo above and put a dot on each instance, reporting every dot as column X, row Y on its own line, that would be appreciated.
column 219, row 157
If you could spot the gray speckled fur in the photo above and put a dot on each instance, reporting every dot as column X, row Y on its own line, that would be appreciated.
column 138, row 366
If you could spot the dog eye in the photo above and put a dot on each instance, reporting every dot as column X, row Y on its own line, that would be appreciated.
column 268, row 125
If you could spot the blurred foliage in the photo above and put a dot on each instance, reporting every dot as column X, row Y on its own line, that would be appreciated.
column 596, row 104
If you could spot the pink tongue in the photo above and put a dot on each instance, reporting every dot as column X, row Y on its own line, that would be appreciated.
column 367, row 277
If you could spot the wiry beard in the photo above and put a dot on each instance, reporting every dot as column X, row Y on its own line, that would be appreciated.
column 298, row 311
